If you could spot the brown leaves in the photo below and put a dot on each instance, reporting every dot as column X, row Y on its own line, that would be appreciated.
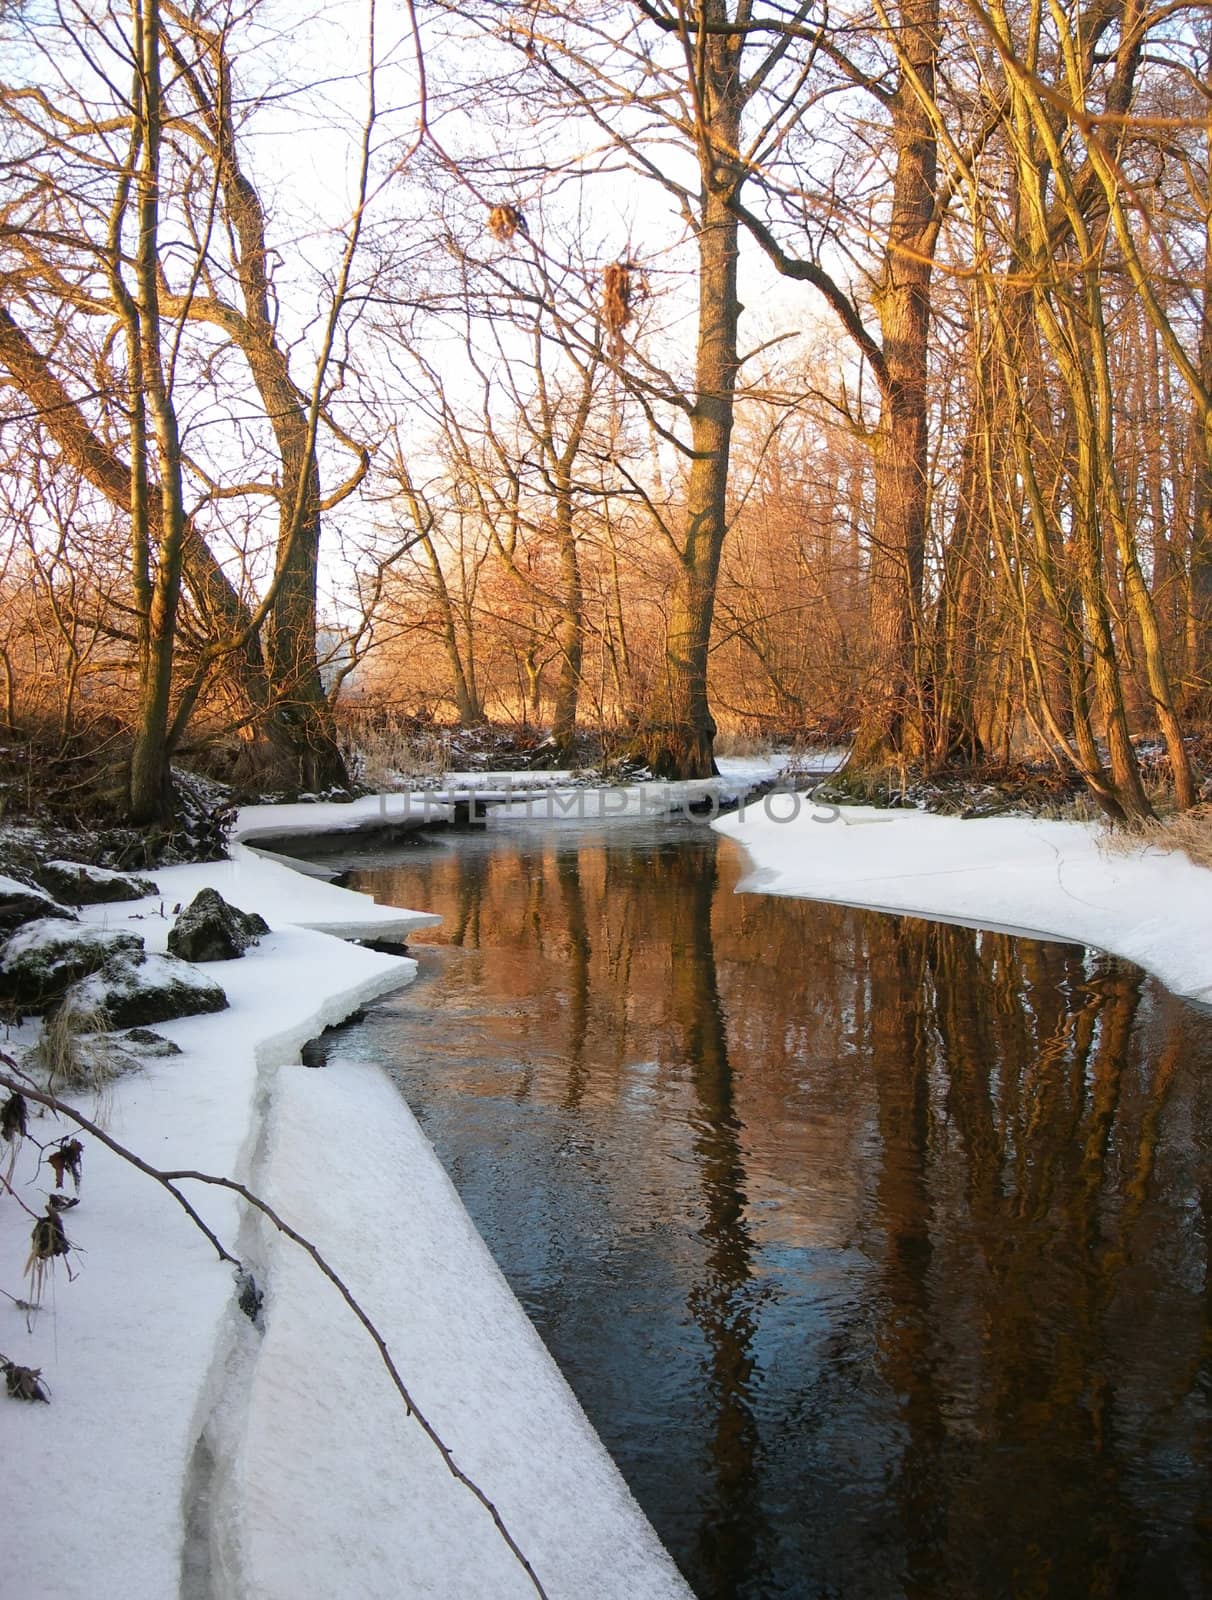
column 48, row 1239
column 14, row 1115
column 505, row 221
column 13, row 1118
column 619, row 293
column 23, row 1383
column 66, row 1160
column 47, row 1242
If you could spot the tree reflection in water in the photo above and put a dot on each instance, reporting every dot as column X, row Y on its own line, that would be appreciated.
column 876, row 1249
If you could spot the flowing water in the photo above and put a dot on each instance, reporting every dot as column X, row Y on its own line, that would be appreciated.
column 877, row 1250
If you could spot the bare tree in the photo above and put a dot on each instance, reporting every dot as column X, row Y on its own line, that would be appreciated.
column 689, row 98
column 136, row 212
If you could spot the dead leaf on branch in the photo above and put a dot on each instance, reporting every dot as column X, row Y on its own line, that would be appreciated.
column 13, row 1118
column 506, row 221
column 23, row 1383
column 66, row 1160
column 47, row 1242
column 622, row 287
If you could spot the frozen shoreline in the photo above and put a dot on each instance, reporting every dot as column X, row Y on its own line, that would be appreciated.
column 1051, row 880
column 188, row 1452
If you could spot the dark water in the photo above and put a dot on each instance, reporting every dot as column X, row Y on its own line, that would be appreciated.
column 877, row 1250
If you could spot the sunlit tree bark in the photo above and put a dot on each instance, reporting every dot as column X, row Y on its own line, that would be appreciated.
column 157, row 591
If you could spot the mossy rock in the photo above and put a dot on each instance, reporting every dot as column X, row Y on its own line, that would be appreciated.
column 134, row 989
column 21, row 903
column 79, row 884
column 41, row 959
column 209, row 929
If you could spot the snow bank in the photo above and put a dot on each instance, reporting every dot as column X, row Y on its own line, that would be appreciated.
column 510, row 796
column 638, row 802
column 1046, row 879
column 321, row 1415
column 254, row 883
column 306, row 818
column 188, row 1452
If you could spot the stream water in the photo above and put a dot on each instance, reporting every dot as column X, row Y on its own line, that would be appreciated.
column 877, row 1250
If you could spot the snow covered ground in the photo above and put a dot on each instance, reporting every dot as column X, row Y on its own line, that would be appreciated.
column 505, row 797
column 189, row 1452
column 636, row 802
column 1050, row 879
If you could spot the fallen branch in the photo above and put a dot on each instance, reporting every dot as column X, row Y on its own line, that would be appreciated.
column 168, row 1179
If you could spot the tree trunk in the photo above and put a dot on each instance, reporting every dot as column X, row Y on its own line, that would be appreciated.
column 1032, row 564
column 467, row 703
column 151, row 791
column 570, row 633
column 1197, row 690
column 680, row 744
column 299, row 704
column 532, row 709
column 891, row 723
column 954, row 734
column 570, row 636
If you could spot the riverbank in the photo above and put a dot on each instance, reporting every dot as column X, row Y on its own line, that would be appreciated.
column 191, row 1450
column 1053, row 880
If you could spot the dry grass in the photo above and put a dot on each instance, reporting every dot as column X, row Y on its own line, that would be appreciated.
column 71, row 1052
column 743, row 744
column 388, row 756
column 1188, row 831
column 1082, row 807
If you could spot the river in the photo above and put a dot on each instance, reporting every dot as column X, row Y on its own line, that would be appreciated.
column 877, row 1250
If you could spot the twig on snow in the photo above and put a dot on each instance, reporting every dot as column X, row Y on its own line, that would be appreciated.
column 169, row 1179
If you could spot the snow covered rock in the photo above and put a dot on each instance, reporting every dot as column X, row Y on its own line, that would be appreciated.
column 99, row 1057
column 147, row 1041
column 19, row 903
column 42, row 958
column 81, row 885
column 136, row 988
column 211, row 930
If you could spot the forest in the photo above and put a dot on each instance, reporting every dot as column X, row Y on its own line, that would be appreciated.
column 644, row 370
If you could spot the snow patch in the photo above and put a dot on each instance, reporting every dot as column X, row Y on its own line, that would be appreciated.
column 1019, row 874
column 392, row 1224
column 283, row 897
column 187, row 1451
